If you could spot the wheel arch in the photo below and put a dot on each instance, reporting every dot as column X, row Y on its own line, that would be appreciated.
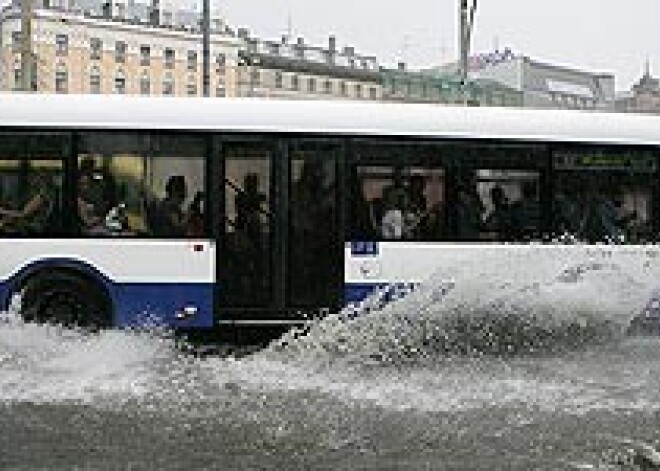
column 71, row 266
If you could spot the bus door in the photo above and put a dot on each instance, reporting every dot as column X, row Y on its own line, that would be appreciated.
column 281, row 250
column 315, row 242
column 245, row 184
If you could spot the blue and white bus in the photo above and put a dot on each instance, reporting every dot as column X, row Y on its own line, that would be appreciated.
column 194, row 213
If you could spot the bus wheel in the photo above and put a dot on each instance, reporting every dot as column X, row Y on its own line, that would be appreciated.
column 67, row 299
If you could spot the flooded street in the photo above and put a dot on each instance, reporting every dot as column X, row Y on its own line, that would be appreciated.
column 437, row 380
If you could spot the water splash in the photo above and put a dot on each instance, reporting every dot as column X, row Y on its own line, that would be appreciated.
column 496, row 303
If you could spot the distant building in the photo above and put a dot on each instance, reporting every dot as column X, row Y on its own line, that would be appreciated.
column 405, row 85
column 644, row 96
column 116, row 48
column 297, row 70
column 541, row 84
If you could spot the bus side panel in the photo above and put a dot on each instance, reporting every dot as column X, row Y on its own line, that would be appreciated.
column 150, row 282
column 485, row 273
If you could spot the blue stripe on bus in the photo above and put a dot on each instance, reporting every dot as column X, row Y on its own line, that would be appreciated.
column 157, row 304
column 386, row 292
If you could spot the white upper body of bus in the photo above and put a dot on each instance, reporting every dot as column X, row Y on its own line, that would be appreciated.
column 323, row 117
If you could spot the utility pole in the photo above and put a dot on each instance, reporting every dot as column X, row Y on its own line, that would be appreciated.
column 27, row 56
column 206, row 48
column 466, row 18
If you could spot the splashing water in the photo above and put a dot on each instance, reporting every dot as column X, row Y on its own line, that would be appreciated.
column 494, row 305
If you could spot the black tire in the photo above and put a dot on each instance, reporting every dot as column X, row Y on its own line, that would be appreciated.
column 64, row 298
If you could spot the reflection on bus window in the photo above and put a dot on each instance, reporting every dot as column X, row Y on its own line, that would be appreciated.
column 603, row 196
column 31, row 184
column 140, row 184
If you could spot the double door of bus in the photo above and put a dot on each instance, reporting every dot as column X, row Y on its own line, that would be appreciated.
column 281, row 244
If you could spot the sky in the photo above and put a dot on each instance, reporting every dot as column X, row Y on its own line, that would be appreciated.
column 615, row 36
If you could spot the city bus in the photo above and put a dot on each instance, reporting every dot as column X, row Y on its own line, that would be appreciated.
column 200, row 213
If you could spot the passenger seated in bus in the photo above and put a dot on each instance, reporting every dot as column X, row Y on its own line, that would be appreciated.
column 600, row 222
column 90, row 196
column 567, row 213
column 35, row 215
column 249, row 207
column 196, row 216
column 526, row 213
column 393, row 223
column 168, row 218
column 499, row 219
column 465, row 213
column 364, row 221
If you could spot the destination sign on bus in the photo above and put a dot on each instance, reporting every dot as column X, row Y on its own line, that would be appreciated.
column 602, row 161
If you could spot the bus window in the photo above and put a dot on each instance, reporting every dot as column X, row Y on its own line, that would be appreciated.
column 141, row 184
column 397, row 192
column 314, row 247
column 31, row 179
column 603, row 195
column 496, row 193
column 246, row 260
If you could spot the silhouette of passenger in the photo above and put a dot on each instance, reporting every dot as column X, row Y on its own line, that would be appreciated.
column 526, row 213
column 169, row 219
column 499, row 219
column 466, row 213
column 35, row 215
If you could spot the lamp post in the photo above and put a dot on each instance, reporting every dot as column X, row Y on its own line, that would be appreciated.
column 206, row 48
column 466, row 19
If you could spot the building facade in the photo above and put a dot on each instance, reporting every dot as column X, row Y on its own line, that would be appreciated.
column 296, row 70
column 79, row 52
column 404, row 85
column 542, row 85
column 643, row 97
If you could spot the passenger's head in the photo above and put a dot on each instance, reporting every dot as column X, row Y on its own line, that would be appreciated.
column 417, row 184
column 497, row 195
column 251, row 183
column 86, row 166
column 528, row 190
column 175, row 188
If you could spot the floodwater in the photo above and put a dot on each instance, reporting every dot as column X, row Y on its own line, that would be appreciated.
column 471, row 371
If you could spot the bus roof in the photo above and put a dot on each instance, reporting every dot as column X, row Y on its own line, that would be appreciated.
column 323, row 117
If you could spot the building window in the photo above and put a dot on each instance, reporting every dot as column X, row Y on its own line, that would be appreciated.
column 145, row 56
column 311, row 85
column 15, row 41
column 220, row 62
column 120, row 82
column 168, row 84
column 294, row 82
column 220, row 90
column 61, row 79
column 191, row 87
column 145, row 84
column 327, row 87
column 61, row 45
column 18, row 76
column 343, row 89
column 95, row 80
column 170, row 58
column 192, row 60
column 96, row 48
column 278, row 79
column 373, row 93
column 358, row 90
column 120, row 52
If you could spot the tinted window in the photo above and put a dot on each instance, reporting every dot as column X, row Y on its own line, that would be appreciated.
column 31, row 182
column 141, row 184
column 603, row 194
